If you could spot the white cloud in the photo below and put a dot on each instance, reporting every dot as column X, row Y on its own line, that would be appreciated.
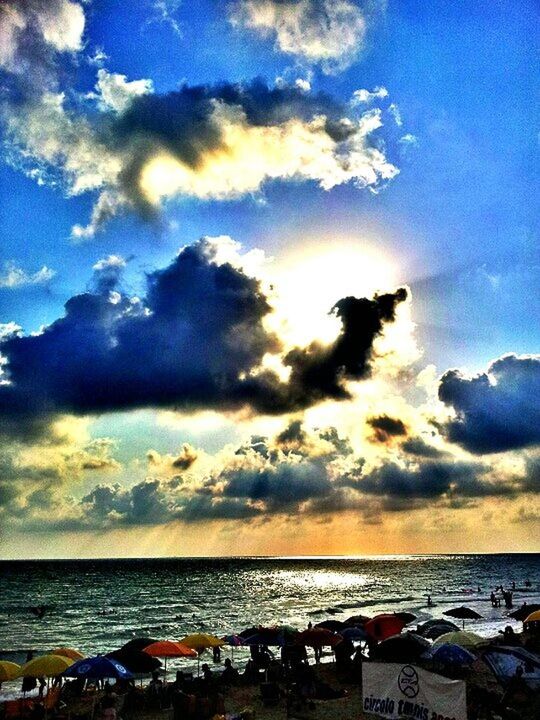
column 15, row 277
column 329, row 32
column 292, row 150
column 59, row 22
column 115, row 261
column 368, row 96
column 164, row 11
column 115, row 92
column 62, row 24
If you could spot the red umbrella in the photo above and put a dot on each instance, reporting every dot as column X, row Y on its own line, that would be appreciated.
column 318, row 637
column 384, row 626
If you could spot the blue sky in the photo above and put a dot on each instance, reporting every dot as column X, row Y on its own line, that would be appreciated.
column 459, row 222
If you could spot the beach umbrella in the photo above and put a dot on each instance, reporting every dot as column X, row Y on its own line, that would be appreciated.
column 276, row 639
column 533, row 617
column 333, row 625
column 432, row 629
column 524, row 611
column 138, row 643
column 452, row 654
column 467, row 640
column 318, row 637
column 353, row 633
column 68, row 653
column 98, row 668
column 356, row 620
column 384, row 626
column 202, row 641
column 407, row 617
column 406, row 647
column 233, row 641
column 278, row 636
column 463, row 613
column 169, row 649
column 249, row 631
column 435, row 631
column 136, row 661
column 45, row 666
column 9, row 670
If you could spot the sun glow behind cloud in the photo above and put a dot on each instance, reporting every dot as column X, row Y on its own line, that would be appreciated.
column 309, row 280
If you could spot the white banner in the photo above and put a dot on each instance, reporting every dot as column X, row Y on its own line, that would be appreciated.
column 392, row 690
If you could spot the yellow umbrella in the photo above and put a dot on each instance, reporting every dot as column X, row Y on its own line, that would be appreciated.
column 460, row 637
column 533, row 617
column 9, row 670
column 46, row 666
column 68, row 653
column 202, row 641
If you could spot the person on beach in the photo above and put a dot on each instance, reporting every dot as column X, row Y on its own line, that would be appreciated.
column 155, row 690
column 29, row 683
column 208, row 675
column 518, row 694
column 109, row 703
column 230, row 675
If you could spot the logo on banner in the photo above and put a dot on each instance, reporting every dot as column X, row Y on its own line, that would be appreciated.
column 408, row 682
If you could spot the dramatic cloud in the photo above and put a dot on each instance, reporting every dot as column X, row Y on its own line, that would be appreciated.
column 385, row 428
column 136, row 148
column 35, row 479
column 300, row 471
column 15, row 277
column 412, row 484
column 329, row 32
column 497, row 410
column 419, row 447
column 197, row 340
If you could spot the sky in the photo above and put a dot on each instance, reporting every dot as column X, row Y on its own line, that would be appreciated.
column 269, row 277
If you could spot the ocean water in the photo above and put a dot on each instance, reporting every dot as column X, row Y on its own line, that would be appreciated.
column 96, row 606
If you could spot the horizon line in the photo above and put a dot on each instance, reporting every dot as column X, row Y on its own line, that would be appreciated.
column 364, row 556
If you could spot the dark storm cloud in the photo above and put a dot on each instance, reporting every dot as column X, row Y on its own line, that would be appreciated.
column 495, row 411
column 280, row 485
column 430, row 481
column 319, row 371
column 419, row 447
column 386, row 427
column 150, row 502
column 192, row 343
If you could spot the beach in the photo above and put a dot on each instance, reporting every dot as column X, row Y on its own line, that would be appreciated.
column 98, row 607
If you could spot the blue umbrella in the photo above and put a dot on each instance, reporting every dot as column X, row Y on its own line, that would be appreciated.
column 353, row 633
column 98, row 668
column 451, row 654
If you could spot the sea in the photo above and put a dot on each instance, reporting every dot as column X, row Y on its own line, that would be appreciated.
column 96, row 606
